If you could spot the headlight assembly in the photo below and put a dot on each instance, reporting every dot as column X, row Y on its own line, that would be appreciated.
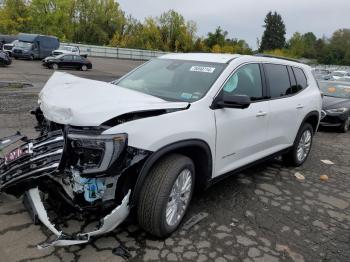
column 95, row 153
column 338, row 110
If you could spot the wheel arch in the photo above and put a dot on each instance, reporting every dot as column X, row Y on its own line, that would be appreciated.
column 313, row 119
column 197, row 150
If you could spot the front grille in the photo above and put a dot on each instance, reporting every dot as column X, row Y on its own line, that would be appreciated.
column 17, row 51
column 43, row 157
column 57, row 53
column 323, row 114
column 8, row 47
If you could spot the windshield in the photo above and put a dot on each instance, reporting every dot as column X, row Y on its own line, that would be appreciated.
column 341, row 74
column 68, row 48
column 335, row 89
column 24, row 45
column 173, row 80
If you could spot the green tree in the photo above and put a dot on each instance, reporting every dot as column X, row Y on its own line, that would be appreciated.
column 53, row 17
column 309, row 45
column 14, row 17
column 177, row 35
column 216, row 38
column 274, row 34
column 296, row 45
column 97, row 21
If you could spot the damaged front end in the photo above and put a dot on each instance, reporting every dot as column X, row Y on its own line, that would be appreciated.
column 81, row 167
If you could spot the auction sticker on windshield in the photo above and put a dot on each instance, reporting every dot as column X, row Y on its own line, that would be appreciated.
column 203, row 69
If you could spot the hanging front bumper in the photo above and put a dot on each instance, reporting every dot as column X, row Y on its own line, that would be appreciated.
column 108, row 223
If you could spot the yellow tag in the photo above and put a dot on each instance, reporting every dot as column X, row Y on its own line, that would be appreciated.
column 332, row 89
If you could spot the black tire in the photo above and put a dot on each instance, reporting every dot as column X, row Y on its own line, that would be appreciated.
column 54, row 66
column 16, row 58
column 290, row 158
column 345, row 126
column 31, row 58
column 84, row 68
column 154, row 195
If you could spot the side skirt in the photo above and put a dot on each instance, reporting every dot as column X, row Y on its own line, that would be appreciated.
column 217, row 179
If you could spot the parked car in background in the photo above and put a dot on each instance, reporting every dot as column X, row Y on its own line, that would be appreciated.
column 67, row 61
column 68, row 49
column 5, row 59
column 336, row 104
column 146, row 140
column 33, row 46
column 8, row 47
column 340, row 75
column 321, row 74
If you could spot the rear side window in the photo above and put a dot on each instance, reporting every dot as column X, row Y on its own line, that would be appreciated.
column 301, row 78
column 278, row 80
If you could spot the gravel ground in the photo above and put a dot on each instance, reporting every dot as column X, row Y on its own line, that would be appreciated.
column 263, row 214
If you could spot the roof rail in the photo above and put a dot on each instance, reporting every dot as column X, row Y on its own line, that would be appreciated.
column 278, row 57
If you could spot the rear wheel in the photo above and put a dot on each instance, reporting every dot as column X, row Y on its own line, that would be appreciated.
column 31, row 57
column 166, row 195
column 54, row 66
column 301, row 148
column 345, row 126
column 84, row 67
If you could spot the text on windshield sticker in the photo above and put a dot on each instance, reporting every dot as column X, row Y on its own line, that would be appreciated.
column 203, row 69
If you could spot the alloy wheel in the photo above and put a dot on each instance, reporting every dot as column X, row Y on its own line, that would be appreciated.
column 179, row 198
column 304, row 145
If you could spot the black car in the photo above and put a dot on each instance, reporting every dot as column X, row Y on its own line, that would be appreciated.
column 336, row 104
column 67, row 61
column 5, row 59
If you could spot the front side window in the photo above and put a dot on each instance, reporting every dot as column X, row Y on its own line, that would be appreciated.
column 67, row 58
column 173, row 80
column 245, row 81
column 278, row 80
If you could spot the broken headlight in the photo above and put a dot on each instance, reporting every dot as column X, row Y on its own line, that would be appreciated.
column 95, row 153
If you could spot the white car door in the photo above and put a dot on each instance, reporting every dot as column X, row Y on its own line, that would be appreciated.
column 241, row 133
column 284, row 106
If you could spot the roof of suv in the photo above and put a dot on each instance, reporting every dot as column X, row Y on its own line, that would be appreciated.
column 203, row 57
column 226, row 58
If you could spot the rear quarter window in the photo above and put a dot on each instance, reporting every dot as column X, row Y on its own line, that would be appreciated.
column 300, row 78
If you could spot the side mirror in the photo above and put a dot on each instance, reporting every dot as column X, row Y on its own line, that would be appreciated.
column 231, row 101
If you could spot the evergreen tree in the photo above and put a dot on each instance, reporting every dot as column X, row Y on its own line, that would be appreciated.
column 275, row 31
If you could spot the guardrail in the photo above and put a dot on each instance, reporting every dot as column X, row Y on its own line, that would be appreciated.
column 116, row 52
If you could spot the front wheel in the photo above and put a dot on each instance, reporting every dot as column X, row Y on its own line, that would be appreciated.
column 345, row 126
column 301, row 148
column 54, row 66
column 166, row 195
column 84, row 67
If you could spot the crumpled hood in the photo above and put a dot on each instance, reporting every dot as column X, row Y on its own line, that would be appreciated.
column 67, row 99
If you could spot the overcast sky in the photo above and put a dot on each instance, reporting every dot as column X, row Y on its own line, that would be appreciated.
column 244, row 18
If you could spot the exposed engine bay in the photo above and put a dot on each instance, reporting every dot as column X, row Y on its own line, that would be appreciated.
column 81, row 167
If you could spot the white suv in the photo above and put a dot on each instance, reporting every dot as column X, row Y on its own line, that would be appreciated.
column 147, row 140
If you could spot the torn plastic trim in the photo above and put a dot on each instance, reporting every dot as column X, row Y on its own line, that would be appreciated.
column 7, row 141
column 109, row 222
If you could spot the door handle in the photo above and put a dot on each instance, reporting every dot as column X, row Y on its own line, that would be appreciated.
column 261, row 113
column 300, row 106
